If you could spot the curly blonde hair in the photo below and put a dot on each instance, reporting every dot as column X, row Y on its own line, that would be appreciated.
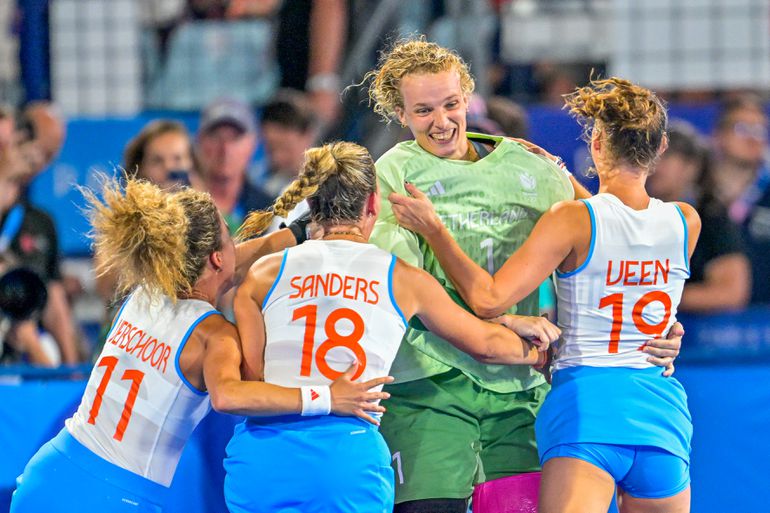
column 407, row 57
column 151, row 238
column 633, row 118
column 335, row 178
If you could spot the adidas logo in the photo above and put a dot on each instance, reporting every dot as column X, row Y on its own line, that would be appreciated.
column 314, row 395
column 436, row 189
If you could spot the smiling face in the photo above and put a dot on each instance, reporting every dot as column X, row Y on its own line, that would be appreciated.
column 435, row 111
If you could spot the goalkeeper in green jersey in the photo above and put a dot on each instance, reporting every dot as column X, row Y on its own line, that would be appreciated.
column 453, row 422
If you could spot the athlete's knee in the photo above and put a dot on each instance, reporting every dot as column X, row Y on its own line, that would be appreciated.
column 432, row 506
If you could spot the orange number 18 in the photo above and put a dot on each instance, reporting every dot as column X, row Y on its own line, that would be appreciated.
column 333, row 339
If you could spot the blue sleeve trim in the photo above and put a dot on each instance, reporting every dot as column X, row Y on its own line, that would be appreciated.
column 117, row 316
column 686, row 239
column 277, row 279
column 390, row 291
column 590, row 248
column 181, row 348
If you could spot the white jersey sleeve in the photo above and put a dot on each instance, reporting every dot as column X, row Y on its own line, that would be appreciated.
column 628, row 289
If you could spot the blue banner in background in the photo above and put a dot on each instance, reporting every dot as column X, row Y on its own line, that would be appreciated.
column 727, row 337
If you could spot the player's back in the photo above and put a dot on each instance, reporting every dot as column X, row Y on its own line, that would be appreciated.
column 138, row 410
column 624, row 294
column 628, row 289
column 331, row 303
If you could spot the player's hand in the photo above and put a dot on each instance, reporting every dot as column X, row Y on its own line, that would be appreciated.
column 352, row 399
column 545, row 368
column 534, row 148
column 538, row 330
column 663, row 351
column 415, row 213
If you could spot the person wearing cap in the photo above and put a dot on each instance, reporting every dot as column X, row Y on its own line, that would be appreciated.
column 227, row 138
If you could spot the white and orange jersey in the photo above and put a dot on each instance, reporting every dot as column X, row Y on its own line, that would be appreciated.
column 138, row 410
column 627, row 290
column 331, row 304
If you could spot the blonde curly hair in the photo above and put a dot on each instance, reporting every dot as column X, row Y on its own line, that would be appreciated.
column 151, row 238
column 633, row 118
column 335, row 178
column 407, row 57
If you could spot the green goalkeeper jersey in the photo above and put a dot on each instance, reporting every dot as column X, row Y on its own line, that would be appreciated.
column 489, row 206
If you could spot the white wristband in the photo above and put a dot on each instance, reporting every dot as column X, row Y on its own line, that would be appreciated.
column 563, row 166
column 316, row 400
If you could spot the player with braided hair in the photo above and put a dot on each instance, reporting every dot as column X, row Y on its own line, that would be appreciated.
column 168, row 358
column 306, row 314
column 621, row 260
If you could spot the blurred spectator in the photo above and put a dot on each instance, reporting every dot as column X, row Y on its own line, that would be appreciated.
column 740, row 180
column 231, row 9
column 509, row 115
column 498, row 116
column 227, row 139
column 310, row 45
column 478, row 117
column 162, row 153
column 43, row 126
column 288, row 128
column 555, row 80
column 43, row 130
column 22, row 298
column 28, row 234
column 720, row 276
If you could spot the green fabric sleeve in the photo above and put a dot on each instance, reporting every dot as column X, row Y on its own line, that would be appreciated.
column 387, row 234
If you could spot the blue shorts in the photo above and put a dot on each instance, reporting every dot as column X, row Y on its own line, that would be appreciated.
column 66, row 477
column 641, row 471
column 308, row 464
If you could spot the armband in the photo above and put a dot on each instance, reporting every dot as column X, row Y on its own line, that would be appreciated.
column 560, row 162
column 316, row 400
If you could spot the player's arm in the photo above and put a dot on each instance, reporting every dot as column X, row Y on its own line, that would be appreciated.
column 248, row 313
column 489, row 296
column 418, row 293
column 663, row 351
column 692, row 219
column 229, row 394
column 388, row 234
column 248, row 252
column 580, row 191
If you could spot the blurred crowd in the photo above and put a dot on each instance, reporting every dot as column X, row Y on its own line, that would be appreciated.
column 725, row 174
